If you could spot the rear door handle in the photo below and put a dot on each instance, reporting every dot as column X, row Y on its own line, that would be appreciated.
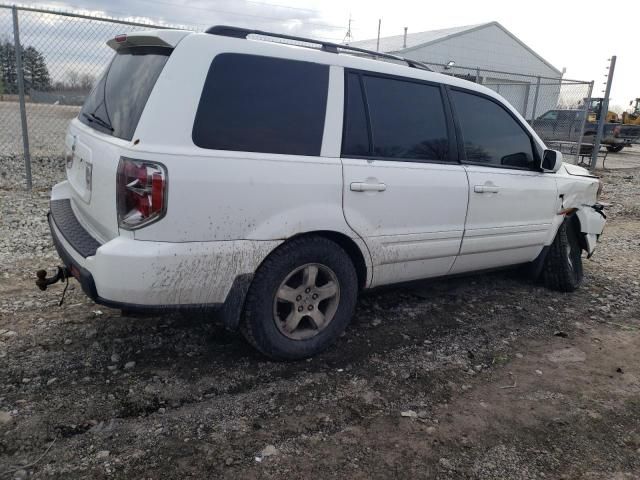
column 368, row 187
column 486, row 189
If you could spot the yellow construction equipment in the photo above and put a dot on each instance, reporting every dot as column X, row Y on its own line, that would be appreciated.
column 595, row 107
column 633, row 117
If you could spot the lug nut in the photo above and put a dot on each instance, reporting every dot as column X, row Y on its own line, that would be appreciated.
column 315, row 296
column 299, row 297
column 307, row 290
column 310, row 307
column 300, row 308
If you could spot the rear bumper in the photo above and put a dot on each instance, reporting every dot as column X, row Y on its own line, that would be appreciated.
column 140, row 275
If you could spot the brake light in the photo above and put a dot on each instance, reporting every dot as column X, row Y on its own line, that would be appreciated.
column 121, row 38
column 141, row 193
column 616, row 131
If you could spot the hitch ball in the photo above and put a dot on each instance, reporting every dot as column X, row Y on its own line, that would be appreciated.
column 43, row 282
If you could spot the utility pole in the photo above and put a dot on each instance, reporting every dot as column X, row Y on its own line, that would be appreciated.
column 348, row 38
column 378, row 41
column 604, row 109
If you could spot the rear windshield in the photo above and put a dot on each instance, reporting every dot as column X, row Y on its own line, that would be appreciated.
column 116, row 102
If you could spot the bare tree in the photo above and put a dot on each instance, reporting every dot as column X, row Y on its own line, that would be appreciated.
column 73, row 79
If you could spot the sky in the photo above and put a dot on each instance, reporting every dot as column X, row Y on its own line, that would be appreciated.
column 567, row 33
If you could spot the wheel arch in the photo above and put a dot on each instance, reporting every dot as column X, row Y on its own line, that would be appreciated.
column 356, row 249
column 353, row 249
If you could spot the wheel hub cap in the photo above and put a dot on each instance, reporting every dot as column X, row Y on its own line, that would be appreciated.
column 306, row 301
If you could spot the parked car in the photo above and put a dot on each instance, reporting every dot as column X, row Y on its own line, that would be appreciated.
column 567, row 125
column 274, row 182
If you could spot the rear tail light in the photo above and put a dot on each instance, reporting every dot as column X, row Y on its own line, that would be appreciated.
column 141, row 193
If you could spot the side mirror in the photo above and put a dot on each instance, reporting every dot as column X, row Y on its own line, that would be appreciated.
column 551, row 161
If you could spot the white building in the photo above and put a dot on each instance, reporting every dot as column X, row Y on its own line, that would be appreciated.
column 485, row 47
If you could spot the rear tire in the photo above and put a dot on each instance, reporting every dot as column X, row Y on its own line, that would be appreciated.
column 562, row 269
column 301, row 299
column 614, row 148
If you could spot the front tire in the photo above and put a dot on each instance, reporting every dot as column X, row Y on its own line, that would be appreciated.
column 301, row 299
column 563, row 266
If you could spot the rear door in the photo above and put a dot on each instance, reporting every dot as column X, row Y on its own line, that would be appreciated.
column 511, row 203
column 404, row 193
column 105, row 126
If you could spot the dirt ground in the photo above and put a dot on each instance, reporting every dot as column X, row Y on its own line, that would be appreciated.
column 485, row 377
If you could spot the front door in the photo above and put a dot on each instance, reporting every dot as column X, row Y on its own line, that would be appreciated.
column 403, row 192
column 511, row 203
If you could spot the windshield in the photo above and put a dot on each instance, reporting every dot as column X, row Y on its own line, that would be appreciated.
column 116, row 102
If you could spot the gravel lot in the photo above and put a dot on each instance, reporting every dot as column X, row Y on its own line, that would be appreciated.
column 47, row 127
column 486, row 377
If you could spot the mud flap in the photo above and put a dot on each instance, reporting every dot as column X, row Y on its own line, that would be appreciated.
column 231, row 311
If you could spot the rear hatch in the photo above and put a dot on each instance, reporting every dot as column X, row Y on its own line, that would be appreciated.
column 106, row 125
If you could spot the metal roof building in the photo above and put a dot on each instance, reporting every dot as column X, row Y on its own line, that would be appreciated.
column 488, row 48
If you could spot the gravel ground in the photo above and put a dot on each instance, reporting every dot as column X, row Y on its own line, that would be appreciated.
column 485, row 377
column 47, row 127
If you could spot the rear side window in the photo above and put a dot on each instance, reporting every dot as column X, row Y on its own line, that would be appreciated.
column 406, row 119
column 491, row 135
column 262, row 104
column 115, row 104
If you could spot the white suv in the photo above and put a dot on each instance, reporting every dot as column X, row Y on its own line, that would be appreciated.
column 274, row 181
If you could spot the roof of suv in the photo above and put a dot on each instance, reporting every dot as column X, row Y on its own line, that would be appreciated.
column 314, row 50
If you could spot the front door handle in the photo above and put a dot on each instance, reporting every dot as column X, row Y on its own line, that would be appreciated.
column 486, row 189
column 368, row 187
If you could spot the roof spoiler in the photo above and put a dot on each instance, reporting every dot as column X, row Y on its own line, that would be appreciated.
column 148, row 38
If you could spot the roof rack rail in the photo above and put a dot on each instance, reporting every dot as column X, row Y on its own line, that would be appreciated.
column 238, row 32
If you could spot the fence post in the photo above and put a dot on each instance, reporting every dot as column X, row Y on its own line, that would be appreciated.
column 604, row 109
column 477, row 75
column 587, row 102
column 535, row 104
column 23, row 108
column 527, row 92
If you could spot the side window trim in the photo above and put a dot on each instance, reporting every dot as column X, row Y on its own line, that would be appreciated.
column 449, row 118
column 367, row 115
column 462, row 152
column 456, row 149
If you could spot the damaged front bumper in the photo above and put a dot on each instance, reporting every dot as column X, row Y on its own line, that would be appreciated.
column 592, row 221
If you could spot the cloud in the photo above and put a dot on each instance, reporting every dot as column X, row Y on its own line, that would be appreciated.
column 72, row 44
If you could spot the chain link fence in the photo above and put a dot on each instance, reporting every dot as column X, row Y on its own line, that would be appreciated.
column 556, row 108
column 62, row 55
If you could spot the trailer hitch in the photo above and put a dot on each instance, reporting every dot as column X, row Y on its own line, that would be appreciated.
column 62, row 274
column 43, row 282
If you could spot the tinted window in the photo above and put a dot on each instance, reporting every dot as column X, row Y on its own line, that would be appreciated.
column 491, row 135
column 262, row 104
column 116, row 102
column 356, row 136
column 407, row 119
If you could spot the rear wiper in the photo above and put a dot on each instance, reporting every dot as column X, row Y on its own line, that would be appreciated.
column 92, row 117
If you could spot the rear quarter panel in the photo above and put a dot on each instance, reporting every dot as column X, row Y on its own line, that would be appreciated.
column 223, row 195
